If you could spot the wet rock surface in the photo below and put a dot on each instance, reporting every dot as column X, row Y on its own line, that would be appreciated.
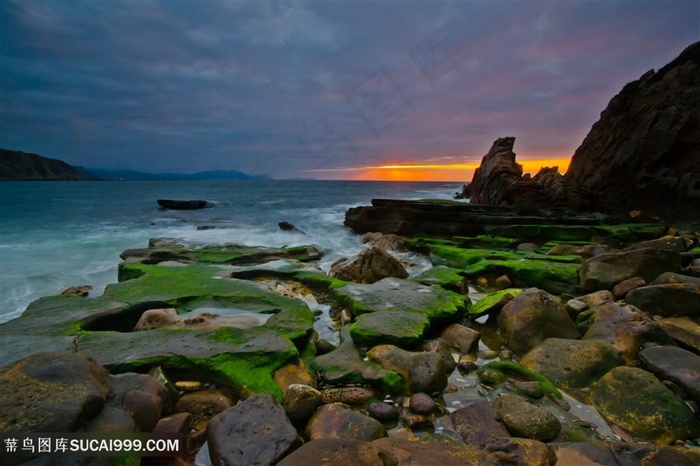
column 369, row 266
column 638, row 402
column 51, row 392
column 255, row 431
column 334, row 421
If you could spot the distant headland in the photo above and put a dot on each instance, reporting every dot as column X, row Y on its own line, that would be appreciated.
column 22, row 166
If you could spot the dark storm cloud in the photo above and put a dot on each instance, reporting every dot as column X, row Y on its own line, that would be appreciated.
column 281, row 87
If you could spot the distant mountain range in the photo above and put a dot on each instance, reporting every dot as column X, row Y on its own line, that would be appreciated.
column 131, row 175
column 22, row 166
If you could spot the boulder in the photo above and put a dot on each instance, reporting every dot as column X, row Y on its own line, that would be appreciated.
column 644, row 152
column 672, row 299
column 387, row 242
column 685, row 331
column 255, row 431
column 174, row 204
column 141, row 395
column 334, row 421
column 300, row 402
column 421, row 403
column 204, row 404
column 423, row 371
column 444, row 452
column 666, row 243
column 604, row 271
column 460, row 337
column 51, row 392
column 293, row 373
column 382, row 411
column 345, row 364
column 675, row 364
column 635, row 400
column 524, row 419
column 532, row 317
column 572, row 363
column 112, row 420
column 335, row 452
column 621, row 454
column 369, row 266
column 626, row 328
column 286, row 226
column 80, row 290
column 522, row 452
column 402, row 328
column 475, row 423
column 625, row 286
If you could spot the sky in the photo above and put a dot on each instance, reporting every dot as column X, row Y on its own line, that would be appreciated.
column 384, row 90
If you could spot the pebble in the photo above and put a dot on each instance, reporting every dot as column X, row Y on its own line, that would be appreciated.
column 382, row 411
column 421, row 403
column 189, row 385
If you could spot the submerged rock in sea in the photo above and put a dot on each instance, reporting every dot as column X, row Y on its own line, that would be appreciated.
column 175, row 204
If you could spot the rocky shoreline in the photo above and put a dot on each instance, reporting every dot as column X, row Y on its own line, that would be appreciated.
column 527, row 347
column 545, row 332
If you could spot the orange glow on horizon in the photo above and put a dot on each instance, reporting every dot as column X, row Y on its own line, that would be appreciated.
column 459, row 172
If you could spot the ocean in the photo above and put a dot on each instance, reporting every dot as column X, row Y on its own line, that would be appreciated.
column 54, row 235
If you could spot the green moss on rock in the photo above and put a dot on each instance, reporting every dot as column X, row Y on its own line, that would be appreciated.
column 493, row 301
column 400, row 328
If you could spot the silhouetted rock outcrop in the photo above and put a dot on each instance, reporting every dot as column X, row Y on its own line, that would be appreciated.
column 21, row 166
column 644, row 152
column 499, row 181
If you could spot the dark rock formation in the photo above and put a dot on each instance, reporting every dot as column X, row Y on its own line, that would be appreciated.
column 369, row 266
column 499, row 181
column 51, row 392
column 644, row 152
column 21, row 166
column 286, row 226
column 174, row 204
column 255, row 431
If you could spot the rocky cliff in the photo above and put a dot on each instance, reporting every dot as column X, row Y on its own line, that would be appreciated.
column 644, row 152
column 20, row 166
column 499, row 181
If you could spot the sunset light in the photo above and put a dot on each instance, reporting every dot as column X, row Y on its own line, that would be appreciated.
column 458, row 172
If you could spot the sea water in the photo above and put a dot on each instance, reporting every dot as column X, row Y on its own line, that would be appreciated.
column 54, row 235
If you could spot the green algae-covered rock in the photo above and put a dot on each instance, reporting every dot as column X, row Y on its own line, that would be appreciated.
column 572, row 363
column 422, row 371
column 493, row 301
column 635, row 400
column 244, row 360
column 446, row 277
column 345, row 364
column 550, row 275
column 393, row 294
column 203, row 285
column 401, row 328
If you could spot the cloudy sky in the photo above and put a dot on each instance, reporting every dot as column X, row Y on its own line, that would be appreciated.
column 326, row 89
